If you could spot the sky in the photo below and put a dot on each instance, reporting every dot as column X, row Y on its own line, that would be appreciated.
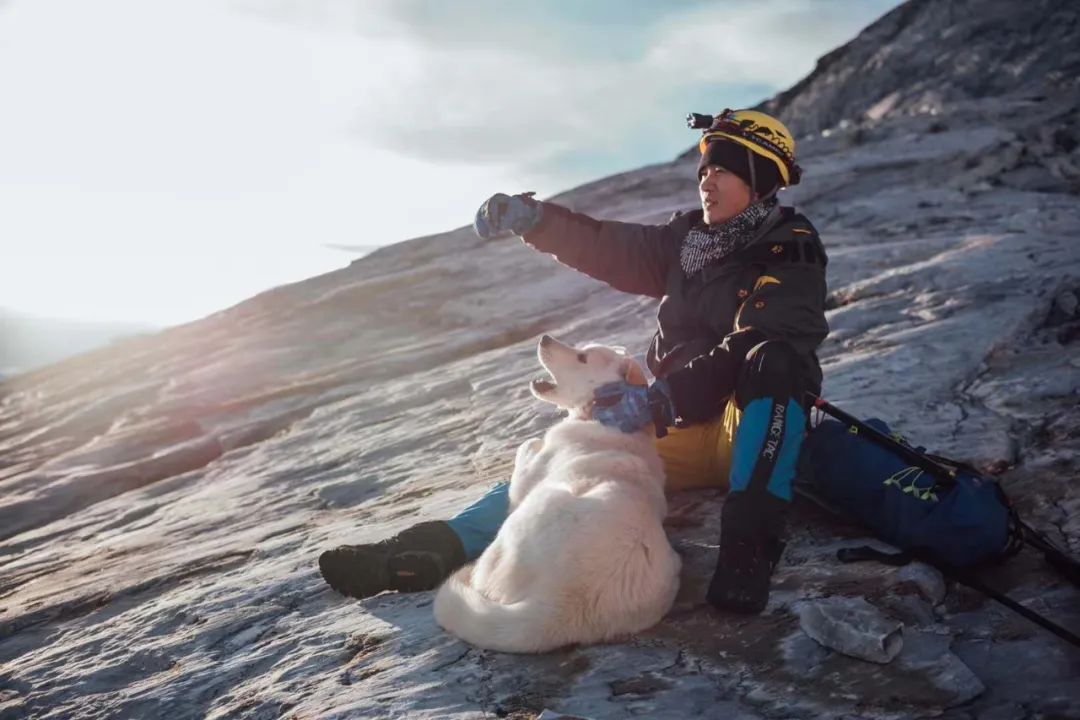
column 164, row 159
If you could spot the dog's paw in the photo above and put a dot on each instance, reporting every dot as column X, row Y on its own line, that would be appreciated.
column 528, row 450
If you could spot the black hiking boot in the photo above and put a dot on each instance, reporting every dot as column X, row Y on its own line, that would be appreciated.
column 743, row 572
column 418, row 558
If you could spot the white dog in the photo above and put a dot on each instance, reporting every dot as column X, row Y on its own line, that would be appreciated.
column 583, row 556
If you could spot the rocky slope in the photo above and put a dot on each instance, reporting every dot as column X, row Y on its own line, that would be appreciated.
column 164, row 499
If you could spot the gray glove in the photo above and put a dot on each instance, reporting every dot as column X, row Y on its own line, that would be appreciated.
column 505, row 216
column 632, row 407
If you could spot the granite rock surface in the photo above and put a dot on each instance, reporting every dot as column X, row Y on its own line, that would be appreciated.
column 163, row 500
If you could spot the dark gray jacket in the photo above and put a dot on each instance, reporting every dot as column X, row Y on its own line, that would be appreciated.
column 774, row 289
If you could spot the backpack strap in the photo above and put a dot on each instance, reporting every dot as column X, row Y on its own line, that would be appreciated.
column 865, row 552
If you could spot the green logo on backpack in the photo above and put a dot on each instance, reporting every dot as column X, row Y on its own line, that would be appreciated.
column 906, row 480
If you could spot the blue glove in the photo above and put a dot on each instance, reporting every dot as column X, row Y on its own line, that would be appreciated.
column 631, row 407
column 505, row 216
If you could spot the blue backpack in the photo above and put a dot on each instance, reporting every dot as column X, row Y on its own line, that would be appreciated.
column 963, row 524
column 936, row 510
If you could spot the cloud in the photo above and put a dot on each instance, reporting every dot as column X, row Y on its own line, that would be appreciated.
column 239, row 147
column 533, row 85
column 774, row 42
column 353, row 249
column 610, row 29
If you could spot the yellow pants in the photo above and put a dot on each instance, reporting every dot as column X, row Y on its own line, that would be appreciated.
column 700, row 455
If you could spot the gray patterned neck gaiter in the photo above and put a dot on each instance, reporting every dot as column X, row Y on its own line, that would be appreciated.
column 706, row 245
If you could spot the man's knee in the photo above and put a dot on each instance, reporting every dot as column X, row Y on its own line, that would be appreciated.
column 771, row 369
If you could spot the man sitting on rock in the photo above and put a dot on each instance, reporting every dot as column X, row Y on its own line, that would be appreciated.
column 741, row 284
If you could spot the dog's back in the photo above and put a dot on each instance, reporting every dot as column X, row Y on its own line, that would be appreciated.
column 583, row 558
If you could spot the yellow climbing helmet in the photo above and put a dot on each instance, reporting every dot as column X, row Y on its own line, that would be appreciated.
column 759, row 133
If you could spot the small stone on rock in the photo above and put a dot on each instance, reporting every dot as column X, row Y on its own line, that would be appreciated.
column 929, row 580
column 851, row 626
column 1067, row 302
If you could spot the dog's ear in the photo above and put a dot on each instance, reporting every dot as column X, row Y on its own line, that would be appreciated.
column 633, row 373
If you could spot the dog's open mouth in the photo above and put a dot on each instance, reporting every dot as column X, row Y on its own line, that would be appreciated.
column 543, row 385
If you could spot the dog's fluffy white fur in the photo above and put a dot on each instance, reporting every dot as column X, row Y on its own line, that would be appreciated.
column 583, row 556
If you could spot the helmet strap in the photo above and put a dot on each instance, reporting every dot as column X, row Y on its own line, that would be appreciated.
column 753, row 175
column 773, row 191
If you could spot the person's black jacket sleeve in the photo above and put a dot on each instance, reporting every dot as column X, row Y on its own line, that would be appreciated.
column 627, row 256
column 701, row 388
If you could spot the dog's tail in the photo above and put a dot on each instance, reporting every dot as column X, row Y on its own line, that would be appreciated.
column 528, row 626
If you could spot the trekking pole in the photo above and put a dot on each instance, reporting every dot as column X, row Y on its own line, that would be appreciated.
column 946, row 475
column 1058, row 558
column 970, row 580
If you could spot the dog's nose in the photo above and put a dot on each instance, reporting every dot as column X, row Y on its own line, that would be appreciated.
column 546, row 339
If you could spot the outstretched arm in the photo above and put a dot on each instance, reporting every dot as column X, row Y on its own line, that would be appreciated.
column 627, row 256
